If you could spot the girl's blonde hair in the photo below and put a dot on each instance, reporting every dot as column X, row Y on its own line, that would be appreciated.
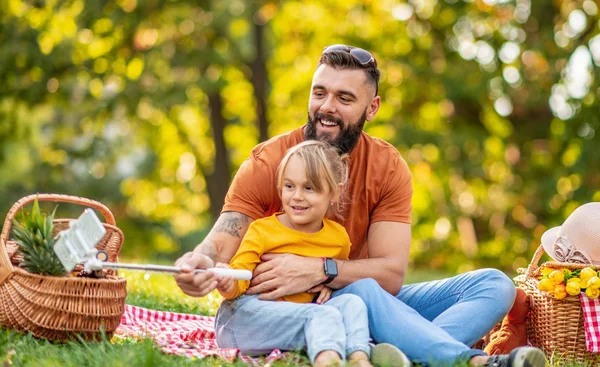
column 325, row 168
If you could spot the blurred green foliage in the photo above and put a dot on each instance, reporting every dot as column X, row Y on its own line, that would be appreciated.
column 150, row 106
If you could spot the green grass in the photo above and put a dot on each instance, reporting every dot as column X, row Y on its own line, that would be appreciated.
column 153, row 291
column 23, row 350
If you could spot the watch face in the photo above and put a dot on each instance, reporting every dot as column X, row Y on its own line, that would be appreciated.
column 331, row 267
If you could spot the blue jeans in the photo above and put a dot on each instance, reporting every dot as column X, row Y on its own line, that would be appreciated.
column 257, row 327
column 436, row 322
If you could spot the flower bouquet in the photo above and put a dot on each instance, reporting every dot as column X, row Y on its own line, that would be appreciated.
column 560, row 283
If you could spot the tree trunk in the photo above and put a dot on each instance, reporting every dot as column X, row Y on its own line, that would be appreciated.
column 217, row 182
column 259, row 78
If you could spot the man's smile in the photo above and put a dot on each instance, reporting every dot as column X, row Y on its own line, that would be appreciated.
column 329, row 123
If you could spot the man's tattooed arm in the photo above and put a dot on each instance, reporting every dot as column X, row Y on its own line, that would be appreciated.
column 208, row 248
column 233, row 223
column 225, row 237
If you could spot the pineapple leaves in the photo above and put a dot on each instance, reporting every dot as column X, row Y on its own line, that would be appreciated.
column 36, row 216
column 35, row 239
column 47, row 229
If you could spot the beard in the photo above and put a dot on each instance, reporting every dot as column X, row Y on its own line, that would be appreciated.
column 347, row 137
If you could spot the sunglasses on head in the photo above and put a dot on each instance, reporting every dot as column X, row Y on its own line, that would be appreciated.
column 363, row 56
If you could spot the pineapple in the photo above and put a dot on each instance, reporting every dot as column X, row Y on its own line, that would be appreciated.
column 34, row 236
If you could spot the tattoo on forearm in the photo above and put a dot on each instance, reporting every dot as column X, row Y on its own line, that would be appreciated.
column 208, row 249
column 232, row 223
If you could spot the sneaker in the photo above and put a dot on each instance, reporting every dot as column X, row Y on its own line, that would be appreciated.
column 519, row 357
column 387, row 355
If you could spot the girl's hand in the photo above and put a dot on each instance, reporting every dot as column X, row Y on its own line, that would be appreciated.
column 224, row 284
column 324, row 295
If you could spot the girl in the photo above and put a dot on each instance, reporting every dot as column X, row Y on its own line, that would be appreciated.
column 310, row 182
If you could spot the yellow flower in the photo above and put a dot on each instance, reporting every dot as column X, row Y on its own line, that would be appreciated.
column 557, row 277
column 585, row 275
column 592, row 293
column 560, row 291
column 546, row 285
column 573, row 287
column 546, row 271
column 590, row 282
column 594, row 282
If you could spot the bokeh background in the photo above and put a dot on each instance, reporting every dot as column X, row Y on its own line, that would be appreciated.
column 150, row 106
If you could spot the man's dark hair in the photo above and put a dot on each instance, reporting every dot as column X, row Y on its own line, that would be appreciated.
column 344, row 60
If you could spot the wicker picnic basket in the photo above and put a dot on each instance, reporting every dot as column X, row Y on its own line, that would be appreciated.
column 555, row 326
column 59, row 308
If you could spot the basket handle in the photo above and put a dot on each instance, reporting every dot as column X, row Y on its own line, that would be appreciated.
column 57, row 198
column 533, row 266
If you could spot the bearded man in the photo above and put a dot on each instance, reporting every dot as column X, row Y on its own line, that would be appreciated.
column 430, row 322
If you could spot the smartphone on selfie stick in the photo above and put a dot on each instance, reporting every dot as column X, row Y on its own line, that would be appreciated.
column 77, row 245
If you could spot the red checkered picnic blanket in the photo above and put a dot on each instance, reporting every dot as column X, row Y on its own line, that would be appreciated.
column 181, row 334
column 591, row 322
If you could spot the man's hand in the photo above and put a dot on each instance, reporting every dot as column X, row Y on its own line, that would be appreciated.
column 195, row 284
column 324, row 293
column 220, row 245
column 285, row 274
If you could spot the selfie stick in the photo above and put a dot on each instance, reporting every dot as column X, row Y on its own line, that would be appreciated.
column 77, row 245
column 95, row 264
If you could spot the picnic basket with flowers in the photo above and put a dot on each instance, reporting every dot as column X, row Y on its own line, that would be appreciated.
column 56, row 307
column 556, row 320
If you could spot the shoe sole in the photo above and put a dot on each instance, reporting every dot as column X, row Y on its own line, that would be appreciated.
column 527, row 357
column 387, row 355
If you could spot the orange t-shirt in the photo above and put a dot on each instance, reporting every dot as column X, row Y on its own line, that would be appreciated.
column 379, row 185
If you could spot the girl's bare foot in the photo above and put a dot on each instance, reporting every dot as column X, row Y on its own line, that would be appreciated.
column 359, row 359
column 328, row 358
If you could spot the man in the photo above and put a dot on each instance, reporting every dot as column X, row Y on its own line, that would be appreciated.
column 431, row 322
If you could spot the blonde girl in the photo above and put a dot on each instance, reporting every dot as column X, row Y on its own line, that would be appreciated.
column 310, row 180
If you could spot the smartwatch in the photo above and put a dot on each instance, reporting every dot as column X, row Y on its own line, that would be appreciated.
column 330, row 268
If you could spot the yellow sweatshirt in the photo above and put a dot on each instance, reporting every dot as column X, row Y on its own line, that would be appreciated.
column 269, row 235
